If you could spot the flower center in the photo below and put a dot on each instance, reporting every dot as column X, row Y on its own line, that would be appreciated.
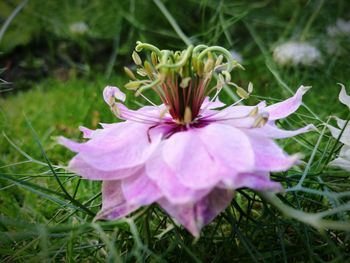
column 182, row 79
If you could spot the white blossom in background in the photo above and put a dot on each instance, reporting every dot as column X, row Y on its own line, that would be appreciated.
column 78, row 28
column 236, row 56
column 340, row 28
column 294, row 53
column 337, row 33
column 343, row 131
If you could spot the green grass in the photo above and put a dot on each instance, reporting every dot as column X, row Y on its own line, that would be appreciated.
column 47, row 213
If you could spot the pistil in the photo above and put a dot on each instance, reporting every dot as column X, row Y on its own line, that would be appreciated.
column 183, row 79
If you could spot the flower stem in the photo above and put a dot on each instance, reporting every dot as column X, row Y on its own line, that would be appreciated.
column 312, row 219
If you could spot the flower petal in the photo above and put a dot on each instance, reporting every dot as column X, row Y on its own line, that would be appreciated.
column 114, row 205
column 71, row 145
column 235, row 112
column 111, row 93
column 345, row 136
column 173, row 190
column 193, row 216
column 258, row 181
column 340, row 122
column 345, row 152
column 140, row 190
column 121, row 146
column 230, row 146
column 79, row 166
column 210, row 105
column 185, row 153
column 87, row 133
column 341, row 163
column 285, row 108
column 269, row 156
column 200, row 158
column 343, row 96
column 274, row 132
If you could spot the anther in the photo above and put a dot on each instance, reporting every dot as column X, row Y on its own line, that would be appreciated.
column 261, row 120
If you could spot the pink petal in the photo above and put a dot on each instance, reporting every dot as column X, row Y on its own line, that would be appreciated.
column 110, row 129
column 200, row 158
column 106, row 125
column 274, row 132
column 170, row 186
column 140, row 190
column 146, row 114
column 194, row 216
column 87, row 133
column 111, row 93
column 71, row 145
column 114, row 205
column 210, row 105
column 235, row 112
column 258, row 181
column 79, row 166
column 229, row 146
column 269, row 156
column 125, row 145
column 285, row 108
column 186, row 155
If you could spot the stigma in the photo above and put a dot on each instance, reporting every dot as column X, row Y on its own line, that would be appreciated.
column 183, row 79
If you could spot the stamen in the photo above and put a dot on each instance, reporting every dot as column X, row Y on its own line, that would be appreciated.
column 129, row 73
column 254, row 112
column 261, row 120
column 149, row 101
column 182, row 79
column 136, row 58
column 188, row 115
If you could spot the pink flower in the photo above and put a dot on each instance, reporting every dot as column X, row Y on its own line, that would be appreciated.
column 185, row 155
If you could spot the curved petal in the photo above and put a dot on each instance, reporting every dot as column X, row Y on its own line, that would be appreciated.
column 87, row 133
column 345, row 152
column 345, row 135
column 140, row 190
column 193, row 216
column 114, row 205
column 269, row 156
column 274, row 132
column 244, row 122
column 148, row 114
column 340, row 122
column 200, row 158
column 171, row 187
column 230, row 146
column 258, row 181
column 341, row 163
column 210, row 105
column 234, row 112
column 343, row 96
column 111, row 93
column 71, row 145
column 121, row 146
column 79, row 166
column 285, row 108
